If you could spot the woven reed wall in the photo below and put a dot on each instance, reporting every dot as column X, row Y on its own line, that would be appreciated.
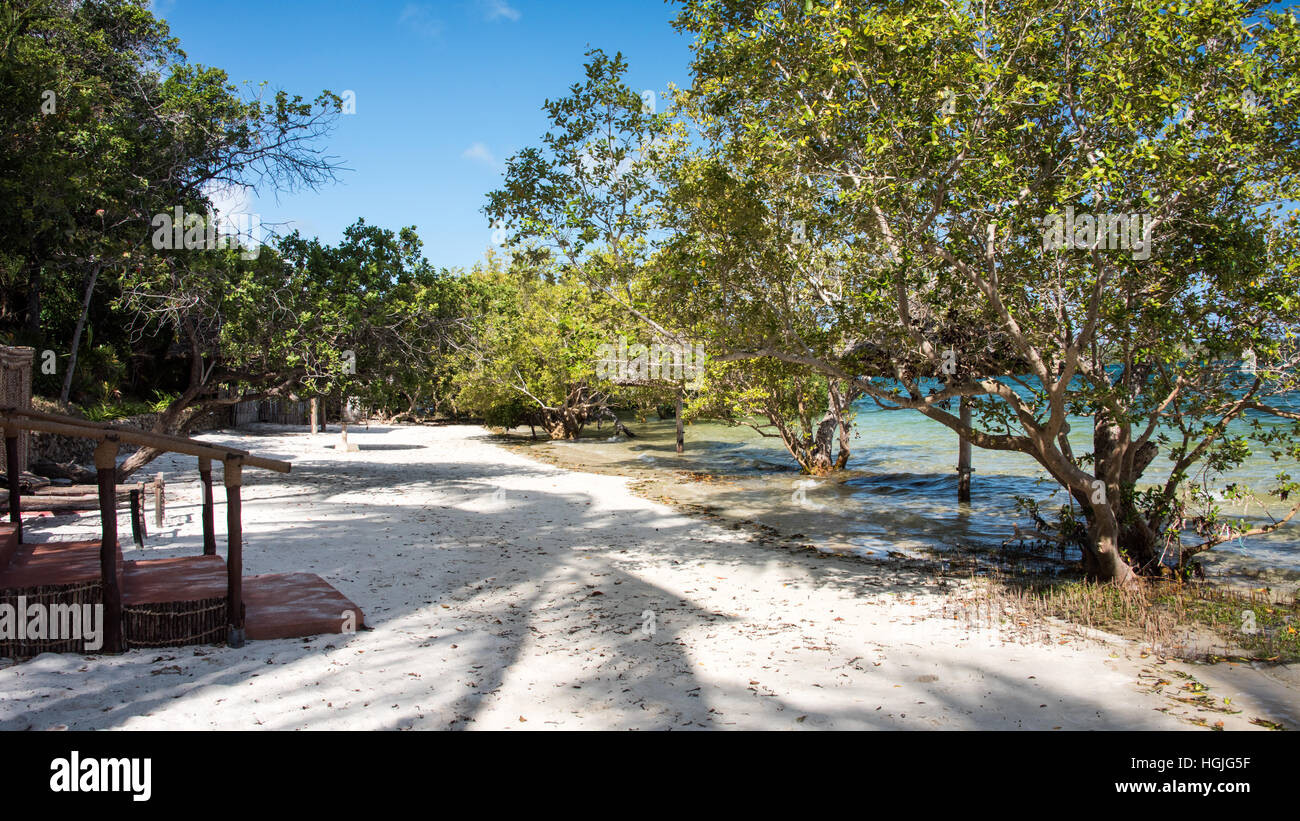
column 91, row 593
column 175, row 624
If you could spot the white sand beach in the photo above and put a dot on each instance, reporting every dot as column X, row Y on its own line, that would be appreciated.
column 502, row 593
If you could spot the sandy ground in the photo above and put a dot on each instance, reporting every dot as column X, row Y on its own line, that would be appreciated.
column 504, row 593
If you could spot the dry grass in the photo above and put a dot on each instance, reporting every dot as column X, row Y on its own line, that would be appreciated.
column 1193, row 621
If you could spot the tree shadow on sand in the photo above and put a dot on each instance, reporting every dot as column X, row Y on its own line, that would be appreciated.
column 492, row 594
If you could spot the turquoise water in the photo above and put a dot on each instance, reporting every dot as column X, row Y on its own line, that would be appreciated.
column 900, row 493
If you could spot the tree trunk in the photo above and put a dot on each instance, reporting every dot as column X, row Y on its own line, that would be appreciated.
column 1103, row 560
column 835, row 428
column 822, row 453
column 681, row 432
column 66, row 392
column 32, row 321
column 826, row 448
column 963, row 456
column 170, row 422
column 563, row 423
column 1120, row 466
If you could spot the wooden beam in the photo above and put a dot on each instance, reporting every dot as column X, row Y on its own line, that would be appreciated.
column 106, row 470
column 105, row 426
column 67, row 426
column 67, row 498
column 63, row 503
column 65, row 491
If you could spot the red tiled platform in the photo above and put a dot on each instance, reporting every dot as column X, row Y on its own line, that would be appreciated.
column 292, row 605
column 8, row 544
column 177, row 601
column 188, row 578
column 55, row 563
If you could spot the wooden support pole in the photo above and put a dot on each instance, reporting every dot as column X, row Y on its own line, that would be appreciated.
column 144, row 528
column 963, row 457
column 137, row 516
column 233, row 470
column 344, row 445
column 15, row 478
column 159, row 501
column 209, row 518
column 681, row 431
column 106, row 470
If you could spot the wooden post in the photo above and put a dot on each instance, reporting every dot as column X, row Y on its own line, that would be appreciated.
column 209, row 523
column 15, row 478
column 106, row 471
column 137, row 515
column 343, row 444
column 144, row 529
column 681, row 431
column 159, row 501
column 963, row 457
column 233, row 470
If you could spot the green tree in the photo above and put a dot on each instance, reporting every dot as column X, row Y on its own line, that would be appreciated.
column 531, row 358
column 945, row 141
column 107, row 126
column 585, row 203
column 790, row 398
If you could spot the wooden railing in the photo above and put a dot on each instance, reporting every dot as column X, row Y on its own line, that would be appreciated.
column 110, row 440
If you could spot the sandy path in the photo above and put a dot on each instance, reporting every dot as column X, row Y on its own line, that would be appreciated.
column 504, row 593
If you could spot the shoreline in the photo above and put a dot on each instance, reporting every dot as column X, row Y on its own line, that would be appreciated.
column 653, row 479
column 507, row 593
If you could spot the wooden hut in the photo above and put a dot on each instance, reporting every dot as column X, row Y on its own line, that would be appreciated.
column 153, row 602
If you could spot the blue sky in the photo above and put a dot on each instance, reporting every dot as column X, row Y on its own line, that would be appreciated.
column 445, row 90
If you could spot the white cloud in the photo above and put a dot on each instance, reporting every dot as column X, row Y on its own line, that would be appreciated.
column 481, row 153
column 232, row 199
column 419, row 18
column 499, row 10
